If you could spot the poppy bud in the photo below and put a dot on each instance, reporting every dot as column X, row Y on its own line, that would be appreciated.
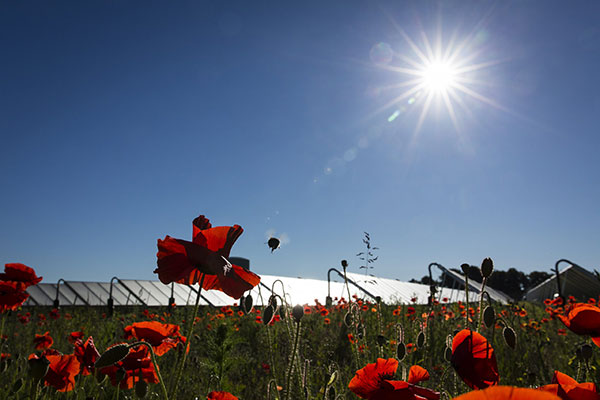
column 421, row 339
column 361, row 331
column 2, row 366
column 344, row 263
column 381, row 340
column 448, row 354
column 400, row 351
column 328, row 301
column 586, row 351
column 487, row 267
column 378, row 299
column 298, row 312
column 248, row 304
column 113, row 355
column 465, row 268
column 489, row 316
column 141, row 389
column 38, row 367
column 509, row 337
column 120, row 374
column 282, row 313
column 268, row 315
column 331, row 393
column 348, row 319
column 16, row 387
column 273, row 301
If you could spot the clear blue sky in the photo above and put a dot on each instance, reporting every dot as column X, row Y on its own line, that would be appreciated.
column 121, row 121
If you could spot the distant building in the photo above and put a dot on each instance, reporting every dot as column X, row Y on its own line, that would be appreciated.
column 574, row 281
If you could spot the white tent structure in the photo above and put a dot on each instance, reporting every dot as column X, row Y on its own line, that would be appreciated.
column 130, row 292
column 574, row 281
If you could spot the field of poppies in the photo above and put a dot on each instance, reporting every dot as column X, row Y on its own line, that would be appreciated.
column 344, row 348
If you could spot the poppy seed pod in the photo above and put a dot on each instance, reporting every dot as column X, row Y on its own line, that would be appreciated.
column 510, row 337
column 487, row 267
column 113, row 355
column 344, row 263
column 268, row 315
column 489, row 316
column 298, row 312
column 465, row 268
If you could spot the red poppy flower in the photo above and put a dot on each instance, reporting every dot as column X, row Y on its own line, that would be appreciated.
column 43, row 342
column 11, row 296
column 374, row 382
column 583, row 319
column 474, row 360
column 22, row 274
column 74, row 336
column 162, row 337
column 86, row 354
column 186, row 262
column 507, row 393
column 568, row 388
column 61, row 372
column 136, row 363
column 221, row 396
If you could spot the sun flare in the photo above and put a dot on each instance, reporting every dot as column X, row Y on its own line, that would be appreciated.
column 439, row 77
column 444, row 72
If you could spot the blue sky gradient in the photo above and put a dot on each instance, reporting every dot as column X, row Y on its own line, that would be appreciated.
column 122, row 121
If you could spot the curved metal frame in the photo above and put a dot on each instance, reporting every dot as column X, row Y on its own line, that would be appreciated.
column 558, row 275
column 77, row 295
column 349, row 281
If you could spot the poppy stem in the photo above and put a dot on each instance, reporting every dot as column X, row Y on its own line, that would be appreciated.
column 467, row 301
column 153, row 358
column 484, row 281
column 190, row 331
column 289, row 372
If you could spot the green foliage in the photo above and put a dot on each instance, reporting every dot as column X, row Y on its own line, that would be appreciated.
column 241, row 355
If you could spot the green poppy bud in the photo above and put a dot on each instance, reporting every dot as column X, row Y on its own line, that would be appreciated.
column 487, row 267
column 268, row 315
column 489, row 316
column 112, row 355
column 510, row 337
column 298, row 312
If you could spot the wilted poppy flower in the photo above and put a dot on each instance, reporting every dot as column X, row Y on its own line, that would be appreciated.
column 23, row 275
column 162, row 337
column 375, row 382
column 186, row 262
column 43, row 342
column 221, row 396
column 474, row 360
column 11, row 296
column 86, row 354
column 583, row 319
column 136, row 363
column 568, row 388
column 507, row 393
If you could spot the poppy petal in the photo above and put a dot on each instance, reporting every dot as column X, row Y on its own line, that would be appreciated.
column 219, row 239
column 507, row 393
column 417, row 374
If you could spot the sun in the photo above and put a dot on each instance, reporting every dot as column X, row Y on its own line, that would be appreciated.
column 444, row 72
column 439, row 77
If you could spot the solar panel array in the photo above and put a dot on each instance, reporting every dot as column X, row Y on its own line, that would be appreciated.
column 129, row 292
